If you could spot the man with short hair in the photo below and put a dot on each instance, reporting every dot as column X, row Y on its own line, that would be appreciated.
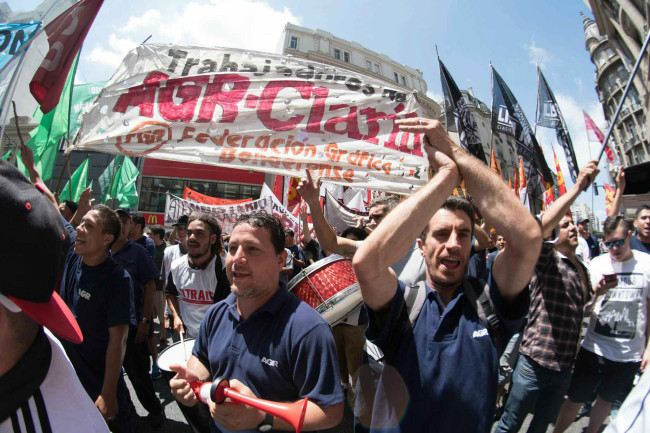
column 560, row 293
column 157, row 234
column 263, row 339
column 38, row 385
column 67, row 208
column 297, row 255
column 410, row 268
column 441, row 366
column 641, row 240
column 140, row 266
column 591, row 241
column 616, row 343
column 177, row 248
column 137, row 233
column 197, row 280
column 500, row 243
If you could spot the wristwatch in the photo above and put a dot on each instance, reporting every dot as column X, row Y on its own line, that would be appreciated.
column 267, row 424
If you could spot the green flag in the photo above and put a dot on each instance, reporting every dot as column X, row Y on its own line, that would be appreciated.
column 82, row 97
column 7, row 155
column 105, row 180
column 124, row 188
column 79, row 181
column 52, row 127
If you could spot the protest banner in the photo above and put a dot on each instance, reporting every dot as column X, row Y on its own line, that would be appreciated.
column 226, row 216
column 190, row 194
column 257, row 111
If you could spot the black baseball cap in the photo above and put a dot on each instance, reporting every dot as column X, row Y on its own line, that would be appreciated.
column 581, row 220
column 71, row 205
column 182, row 220
column 123, row 211
column 33, row 266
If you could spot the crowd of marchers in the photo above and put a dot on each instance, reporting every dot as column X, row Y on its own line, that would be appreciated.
column 465, row 321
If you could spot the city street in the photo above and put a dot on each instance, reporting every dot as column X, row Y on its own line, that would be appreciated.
column 176, row 423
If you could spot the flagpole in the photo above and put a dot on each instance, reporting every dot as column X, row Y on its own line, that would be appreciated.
column 536, row 105
column 625, row 92
column 491, row 104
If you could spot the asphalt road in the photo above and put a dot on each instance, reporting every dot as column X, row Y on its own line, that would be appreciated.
column 176, row 423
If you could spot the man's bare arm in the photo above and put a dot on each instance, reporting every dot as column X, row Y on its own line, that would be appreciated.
column 482, row 237
column 309, row 191
column 559, row 208
column 618, row 196
column 514, row 265
column 391, row 239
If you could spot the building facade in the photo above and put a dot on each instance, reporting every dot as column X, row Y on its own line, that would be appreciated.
column 614, row 40
column 321, row 46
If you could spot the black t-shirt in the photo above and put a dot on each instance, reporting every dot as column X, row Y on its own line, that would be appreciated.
column 158, row 259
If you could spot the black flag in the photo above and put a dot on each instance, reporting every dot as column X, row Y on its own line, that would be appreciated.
column 508, row 118
column 459, row 119
column 550, row 116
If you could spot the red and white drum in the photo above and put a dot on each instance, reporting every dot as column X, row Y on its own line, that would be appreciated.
column 330, row 287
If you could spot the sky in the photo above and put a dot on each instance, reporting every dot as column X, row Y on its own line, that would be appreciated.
column 514, row 35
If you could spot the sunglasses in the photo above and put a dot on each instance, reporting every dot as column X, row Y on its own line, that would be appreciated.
column 617, row 242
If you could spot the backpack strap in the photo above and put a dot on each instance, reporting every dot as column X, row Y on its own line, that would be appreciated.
column 477, row 292
column 414, row 296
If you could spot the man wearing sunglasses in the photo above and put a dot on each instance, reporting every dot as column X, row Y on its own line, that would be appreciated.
column 616, row 342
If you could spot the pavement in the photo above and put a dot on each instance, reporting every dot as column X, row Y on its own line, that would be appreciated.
column 176, row 423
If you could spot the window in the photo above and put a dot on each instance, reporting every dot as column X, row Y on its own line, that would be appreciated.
column 377, row 68
column 293, row 43
column 346, row 57
column 369, row 65
column 337, row 54
column 403, row 80
column 396, row 77
column 153, row 191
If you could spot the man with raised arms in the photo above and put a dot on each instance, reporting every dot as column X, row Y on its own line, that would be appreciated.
column 444, row 359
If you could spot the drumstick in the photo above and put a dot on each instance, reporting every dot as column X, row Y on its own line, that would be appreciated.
column 183, row 346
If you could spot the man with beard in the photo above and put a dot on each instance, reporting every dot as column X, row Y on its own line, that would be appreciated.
column 197, row 280
column 263, row 339
column 140, row 266
column 441, row 366
column 560, row 293
column 641, row 240
column 616, row 343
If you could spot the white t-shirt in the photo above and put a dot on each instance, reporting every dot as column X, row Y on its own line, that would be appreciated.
column 61, row 403
column 196, row 291
column 582, row 251
column 171, row 253
column 617, row 327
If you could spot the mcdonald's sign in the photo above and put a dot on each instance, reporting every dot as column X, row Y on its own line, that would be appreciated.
column 154, row 219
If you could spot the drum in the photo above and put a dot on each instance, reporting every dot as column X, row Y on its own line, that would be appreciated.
column 330, row 287
column 198, row 417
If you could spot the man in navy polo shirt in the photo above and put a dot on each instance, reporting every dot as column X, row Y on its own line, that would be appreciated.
column 143, row 272
column 441, row 372
column 136, row 234
column 262, row 338
column 100, row 294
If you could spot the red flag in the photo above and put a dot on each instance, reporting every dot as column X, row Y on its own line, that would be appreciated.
column 293, row 196
column 516, row 186
column 494, row 165
column 549, row 198
column 560, row 178
column 523, row 185
column 595, row 134
column 65, row 35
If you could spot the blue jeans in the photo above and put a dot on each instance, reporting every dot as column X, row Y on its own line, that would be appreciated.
column 536, row 390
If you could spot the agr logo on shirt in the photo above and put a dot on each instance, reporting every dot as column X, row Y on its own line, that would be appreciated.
column 84, row 294
column 270, row 362
column 480, row 333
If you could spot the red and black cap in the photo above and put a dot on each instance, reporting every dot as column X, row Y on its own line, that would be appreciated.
column 37, row 245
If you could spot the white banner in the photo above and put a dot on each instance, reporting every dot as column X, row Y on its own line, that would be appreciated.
column 339, row 216
column 227, row 216
column 257, row 111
